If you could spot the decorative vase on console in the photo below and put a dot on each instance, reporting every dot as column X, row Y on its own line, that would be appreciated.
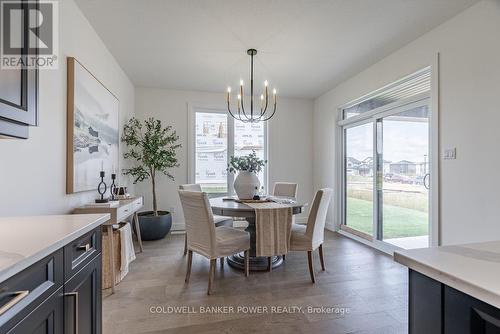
column 246, row 183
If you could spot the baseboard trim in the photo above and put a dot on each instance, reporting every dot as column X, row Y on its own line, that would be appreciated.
column 178, row 227
column 378, row 245
column 330, row 226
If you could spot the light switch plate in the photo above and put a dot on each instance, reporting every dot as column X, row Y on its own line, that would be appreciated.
column 450, row 153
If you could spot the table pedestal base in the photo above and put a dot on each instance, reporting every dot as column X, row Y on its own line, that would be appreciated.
column 256, row 263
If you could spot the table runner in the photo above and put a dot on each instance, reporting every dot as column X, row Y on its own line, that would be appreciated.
column 273, row 222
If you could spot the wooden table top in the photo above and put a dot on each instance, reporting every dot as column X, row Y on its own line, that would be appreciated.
column 232, row 208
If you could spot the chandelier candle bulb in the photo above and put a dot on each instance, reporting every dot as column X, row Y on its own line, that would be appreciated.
column 266, row 83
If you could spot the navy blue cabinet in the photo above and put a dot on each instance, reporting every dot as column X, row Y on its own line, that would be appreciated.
column 19, row 95
column 83, row 300
column 47, row 318
column 59, row 294
column 437, row 308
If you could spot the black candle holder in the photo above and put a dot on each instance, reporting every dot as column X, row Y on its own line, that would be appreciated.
column 101, row 189
column 113, row 186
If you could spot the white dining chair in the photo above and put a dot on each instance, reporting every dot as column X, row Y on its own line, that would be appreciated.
column 218, row 220
column 286, row 189
column 310, row 237
column 206, row 239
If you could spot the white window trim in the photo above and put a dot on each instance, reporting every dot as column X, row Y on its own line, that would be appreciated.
column 193, row 108
column 434, row 149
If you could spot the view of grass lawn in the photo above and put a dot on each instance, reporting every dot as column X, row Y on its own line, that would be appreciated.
column 398, row 222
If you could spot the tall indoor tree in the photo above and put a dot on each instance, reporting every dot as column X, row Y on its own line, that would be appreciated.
column 153, row 148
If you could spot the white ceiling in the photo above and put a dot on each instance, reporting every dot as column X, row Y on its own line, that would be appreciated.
column 306, row 47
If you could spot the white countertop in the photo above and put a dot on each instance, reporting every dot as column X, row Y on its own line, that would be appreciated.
column 472, row 268
column 26, row 240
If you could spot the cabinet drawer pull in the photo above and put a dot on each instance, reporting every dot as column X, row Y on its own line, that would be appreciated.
column 19, row 295
column 74, row 295
column 85, row 247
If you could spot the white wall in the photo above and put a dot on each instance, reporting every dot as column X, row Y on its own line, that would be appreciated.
column 469, row 115
column 290, row 140
column 33, row 171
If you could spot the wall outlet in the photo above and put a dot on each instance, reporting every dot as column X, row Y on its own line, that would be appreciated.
column 450, row 153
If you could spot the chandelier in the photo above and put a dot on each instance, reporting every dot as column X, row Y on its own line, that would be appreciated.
column 251, row 116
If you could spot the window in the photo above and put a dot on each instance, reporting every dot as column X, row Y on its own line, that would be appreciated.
column 214, row 137
column 211, row 152
column 250, row 137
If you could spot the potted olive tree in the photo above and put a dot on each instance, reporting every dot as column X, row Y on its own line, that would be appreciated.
column 153, row 150
column 246, row 183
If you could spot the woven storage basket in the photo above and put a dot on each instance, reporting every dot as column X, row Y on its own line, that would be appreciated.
column 106, row 270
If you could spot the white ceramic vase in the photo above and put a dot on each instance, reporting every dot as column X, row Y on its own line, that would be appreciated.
column 246, row 185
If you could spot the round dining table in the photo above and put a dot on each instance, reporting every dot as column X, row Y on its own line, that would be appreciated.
column 230, row 208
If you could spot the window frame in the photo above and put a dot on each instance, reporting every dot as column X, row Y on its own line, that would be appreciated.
column 218, row 109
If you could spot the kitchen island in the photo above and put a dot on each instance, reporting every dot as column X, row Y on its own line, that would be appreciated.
column 50, row 274
column 453, row 289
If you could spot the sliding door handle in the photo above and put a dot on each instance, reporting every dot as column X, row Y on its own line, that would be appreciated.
column 74, row 295
column 426, row 181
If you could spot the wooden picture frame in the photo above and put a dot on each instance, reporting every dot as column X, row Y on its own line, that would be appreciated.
column 93, row 134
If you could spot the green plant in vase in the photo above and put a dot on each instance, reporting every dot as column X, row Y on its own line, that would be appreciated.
column 246, row 183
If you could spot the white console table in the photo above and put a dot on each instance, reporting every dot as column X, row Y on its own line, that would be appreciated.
column 126, row 208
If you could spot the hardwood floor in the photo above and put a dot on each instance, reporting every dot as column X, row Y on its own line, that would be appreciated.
column 366, row 285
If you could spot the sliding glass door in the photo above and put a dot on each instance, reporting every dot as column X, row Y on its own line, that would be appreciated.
column 359, row 178
column 386, row 175
column 405, row 178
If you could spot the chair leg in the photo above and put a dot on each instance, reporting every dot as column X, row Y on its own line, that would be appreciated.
column 247, row 267
column 185, row 243
column 211, row 275
column 269, row 263
column 311, row 269
column 222, row 262
column 321, row 259
column 284, row 257
column 190, row 262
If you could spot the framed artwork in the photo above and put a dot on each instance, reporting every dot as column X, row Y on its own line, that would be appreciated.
column 92, row 129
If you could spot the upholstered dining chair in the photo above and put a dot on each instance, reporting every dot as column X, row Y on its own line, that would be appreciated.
column 218, row 220
column 206, row 239
column 285, row 189
column 310, row 237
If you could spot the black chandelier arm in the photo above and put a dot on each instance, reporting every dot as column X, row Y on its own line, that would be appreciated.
column 274, row 111
column 243, row 105
column 240, row 100
column 262, row 112
column 229, row 109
